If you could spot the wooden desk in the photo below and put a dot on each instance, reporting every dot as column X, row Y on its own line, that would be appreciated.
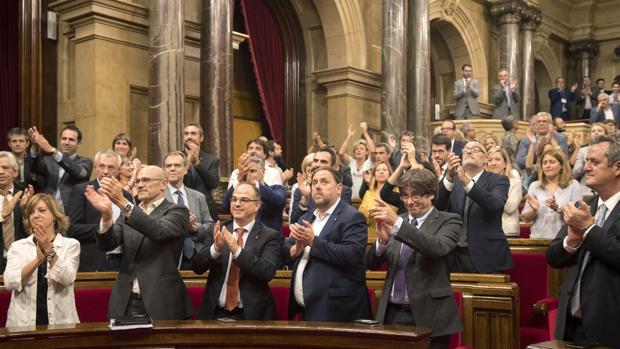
column 557, row 345
column 242, row 334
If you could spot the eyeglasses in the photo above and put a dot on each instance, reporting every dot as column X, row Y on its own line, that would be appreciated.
column 405, row 197
column 146, row 180
column 472, row 151
column 241, row 201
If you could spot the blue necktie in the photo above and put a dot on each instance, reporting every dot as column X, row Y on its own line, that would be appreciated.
column 575, row 306
column 188, row 243
column 400, row 286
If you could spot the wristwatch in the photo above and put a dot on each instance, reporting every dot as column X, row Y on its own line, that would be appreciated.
column 127, row 208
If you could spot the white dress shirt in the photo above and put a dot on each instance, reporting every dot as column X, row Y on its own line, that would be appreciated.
column 60, row 297
column 8, row 198
column 214, row 254
column 317, row 226
column 175, row 198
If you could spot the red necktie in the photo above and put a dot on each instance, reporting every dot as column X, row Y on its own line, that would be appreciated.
column 232, row 286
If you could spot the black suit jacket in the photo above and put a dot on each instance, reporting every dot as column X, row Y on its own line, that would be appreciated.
column 486, row 240
column 600, row 283
column 151, row 248
column 297, row 212
column 258, row 261
column 273, row 200
column 427, row 271
column 77, row 170
column 84, row 226
column 20, row 232
column 205, row 177
column 334, row 280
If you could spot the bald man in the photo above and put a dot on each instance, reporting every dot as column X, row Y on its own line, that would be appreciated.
column 152, row 235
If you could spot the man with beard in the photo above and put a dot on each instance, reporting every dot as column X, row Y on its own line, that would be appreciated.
column 478, row 197
column 440, row 150
column 204, row 170
column 466, row 92
column 327, row 246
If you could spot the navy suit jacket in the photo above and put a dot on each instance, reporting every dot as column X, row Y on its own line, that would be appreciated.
column 486, row 240
column 555, row 96
column 84, row 226
column 599, row 116
column 258, row 261
column 273, row 200
column 20, row 232
column 600, row 281
column 297, row 212
column 334, row 280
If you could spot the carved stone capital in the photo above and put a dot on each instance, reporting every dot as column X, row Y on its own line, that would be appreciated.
column 584, row 49
column 449, row 6
column 531, row 18
column 539, row 42
column 508, row 11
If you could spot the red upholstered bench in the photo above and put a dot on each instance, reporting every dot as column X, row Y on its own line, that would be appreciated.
column 5, row 300
column 196, row 293
column 524, row 231
column 531, row 274
column 92, row 304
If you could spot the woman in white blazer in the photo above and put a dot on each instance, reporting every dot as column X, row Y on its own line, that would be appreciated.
column 41, row 268
column 498, row 161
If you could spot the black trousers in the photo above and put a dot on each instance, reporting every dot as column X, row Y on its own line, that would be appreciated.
column 574, row 331
column 135, row 306
column 236, row 314
column 397, row 314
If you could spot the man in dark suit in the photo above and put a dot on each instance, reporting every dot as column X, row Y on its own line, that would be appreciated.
column 605, row 111
column 302, row 201
column 327, row 246
column 85, row 218
column 506, row 97
column 11, row 226
column 200, row 222
column 478, row 197
column 19, row 141
column 58, row 171
column 204, row 170
column 560, row 98
column 448, row 127
column 240, row 263
column 152, row 238
column 272, row 197
column 417, row 247
column 588, row 246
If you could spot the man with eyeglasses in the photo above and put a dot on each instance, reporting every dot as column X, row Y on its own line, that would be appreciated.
column 327, row 247
column 152, row 233
column 478, row 197
column 272, row 197
column 241, row 256
column 540, row 134
column 448, row 128
column 85, row 218
column 417, row 288
column 200, row 222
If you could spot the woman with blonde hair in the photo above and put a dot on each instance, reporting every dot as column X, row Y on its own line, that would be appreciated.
column 488, row 141
column 498, row 161
column 41, row 269
column 547, row 196
column 379, row 176
column 303, row 177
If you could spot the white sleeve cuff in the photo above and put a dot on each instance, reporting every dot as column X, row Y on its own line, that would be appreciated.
column 236, row 254
column 105, row 225
column 396, row 226
column 380, row 248
column 214, row 253
column 57, row 156
column 449, row 185
column 469, row 186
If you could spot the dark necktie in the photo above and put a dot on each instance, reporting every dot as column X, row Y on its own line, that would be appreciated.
column 232, row 285
column 400, row 286
column 188, row 243
column 463, row 236
column 575, row 306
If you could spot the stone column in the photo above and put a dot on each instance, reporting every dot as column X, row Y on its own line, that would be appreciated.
column 508, row 16
column 418, row 67
column 531, row 21
column 216, row 74
column 166, row 80
column 583, row 52
column 393, row 81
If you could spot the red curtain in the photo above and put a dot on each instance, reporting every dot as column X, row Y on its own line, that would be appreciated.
column 9, row 68
column 267, row 56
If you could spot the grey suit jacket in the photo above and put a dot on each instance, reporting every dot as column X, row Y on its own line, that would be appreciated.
column 198, row 206
column 501, row 103
column 464, row 98
column 428, row 271
column 151, row 247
